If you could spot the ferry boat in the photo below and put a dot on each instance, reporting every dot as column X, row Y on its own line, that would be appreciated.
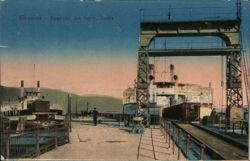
column 32, row 108
column 173, row 100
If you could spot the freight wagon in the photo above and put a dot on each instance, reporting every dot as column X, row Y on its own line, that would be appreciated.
column 187, row 111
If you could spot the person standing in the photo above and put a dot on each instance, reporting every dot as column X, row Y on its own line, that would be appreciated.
column 95, row 115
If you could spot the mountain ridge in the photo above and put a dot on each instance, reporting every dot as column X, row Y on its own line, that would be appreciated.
column 79, row 103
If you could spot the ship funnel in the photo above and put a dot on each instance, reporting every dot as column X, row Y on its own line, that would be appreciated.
column 175, row 78
column 171, row 72
column 38, row 88
column 22, row 89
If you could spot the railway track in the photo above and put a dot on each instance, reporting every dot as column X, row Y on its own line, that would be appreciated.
column 218, row 146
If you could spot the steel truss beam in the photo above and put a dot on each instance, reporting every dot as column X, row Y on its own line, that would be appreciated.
column 234, row 84
column 228, row 31
column 143, row 78
column 191, row 52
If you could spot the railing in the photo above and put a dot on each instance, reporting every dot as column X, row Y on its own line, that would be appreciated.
column 190, row 147
column 32, row 142
column 128, row 119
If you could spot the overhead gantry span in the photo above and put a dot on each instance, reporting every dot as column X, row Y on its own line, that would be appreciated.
column 227, row 30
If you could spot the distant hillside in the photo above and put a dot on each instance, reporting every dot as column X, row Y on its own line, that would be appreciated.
column 102, row 103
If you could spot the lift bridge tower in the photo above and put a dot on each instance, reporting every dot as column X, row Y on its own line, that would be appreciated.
column 226, row 29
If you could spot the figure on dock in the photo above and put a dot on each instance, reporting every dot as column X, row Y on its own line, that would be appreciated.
column 95, row 115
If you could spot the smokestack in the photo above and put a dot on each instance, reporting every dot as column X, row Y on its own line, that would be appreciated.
column 175, row 78
column 210, row 93
column 22, row 89
column 171, row 72
column 38, row 88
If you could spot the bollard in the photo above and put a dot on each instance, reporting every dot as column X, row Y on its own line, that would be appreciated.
column 37, row 141
column 187, row 144
column 202, row 148
column 179, row 143
column 173, row 140
column 56, row 139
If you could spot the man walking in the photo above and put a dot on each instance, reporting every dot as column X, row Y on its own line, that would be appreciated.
column 95, row 115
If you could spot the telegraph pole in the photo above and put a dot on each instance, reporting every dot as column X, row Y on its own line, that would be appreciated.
column 69, row 111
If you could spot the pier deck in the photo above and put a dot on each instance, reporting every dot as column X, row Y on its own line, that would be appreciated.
column 112, row 143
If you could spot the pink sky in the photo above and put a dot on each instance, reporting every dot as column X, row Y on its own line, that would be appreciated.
column 105, row 76
column 85, row 77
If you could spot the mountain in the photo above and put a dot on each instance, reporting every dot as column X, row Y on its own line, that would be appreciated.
column 79, row 103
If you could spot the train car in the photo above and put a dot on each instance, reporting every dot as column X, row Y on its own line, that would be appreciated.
column 187, row 111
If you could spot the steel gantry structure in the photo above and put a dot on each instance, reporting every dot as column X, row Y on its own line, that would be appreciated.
column 227, row 30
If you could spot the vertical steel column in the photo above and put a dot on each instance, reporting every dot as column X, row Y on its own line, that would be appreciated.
column 234, row 83
column 142, row 91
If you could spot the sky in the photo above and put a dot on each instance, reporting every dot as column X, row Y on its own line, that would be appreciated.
column 90, row 47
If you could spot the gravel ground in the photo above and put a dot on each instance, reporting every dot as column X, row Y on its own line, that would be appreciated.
column 103, row 142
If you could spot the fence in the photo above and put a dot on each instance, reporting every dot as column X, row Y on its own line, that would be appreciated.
column 190, row 147
column 32, row 142
column 127, row 119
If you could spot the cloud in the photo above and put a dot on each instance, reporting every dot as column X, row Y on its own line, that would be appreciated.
column 3, row 46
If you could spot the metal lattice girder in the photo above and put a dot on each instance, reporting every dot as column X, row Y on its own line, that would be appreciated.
column 143, row 77
column 234, row 83
column 142, row 97
column 192, row 52
column 227, row 30
column 234, row 80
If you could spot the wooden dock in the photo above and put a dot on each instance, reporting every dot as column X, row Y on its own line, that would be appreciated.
column 88, row 142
